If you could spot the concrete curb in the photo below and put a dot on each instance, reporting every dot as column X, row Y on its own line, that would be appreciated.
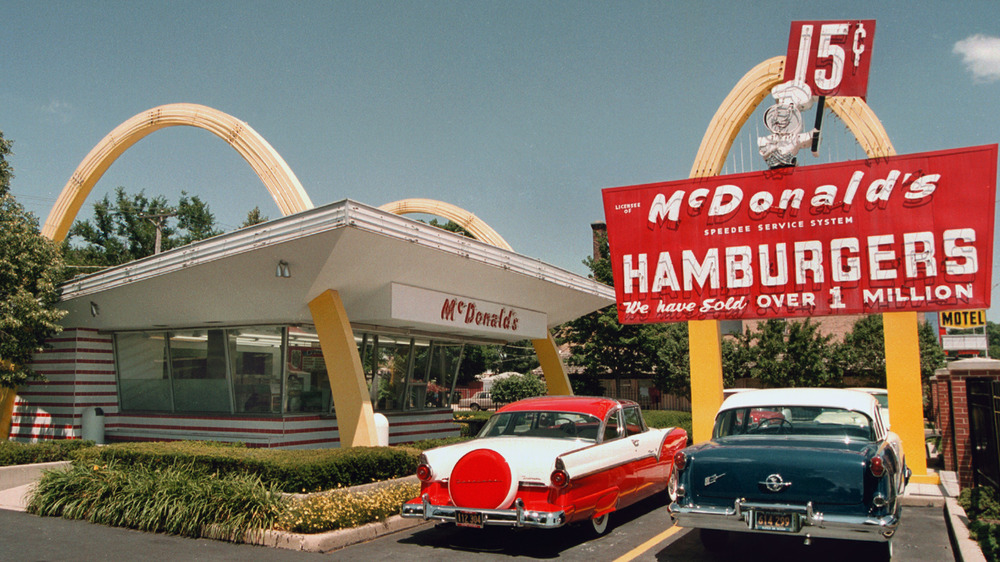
column 17, row 481
column 966, row 549
column 18, row 475
column 333, row 540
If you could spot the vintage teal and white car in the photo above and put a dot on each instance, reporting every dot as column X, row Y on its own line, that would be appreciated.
column 812, row 462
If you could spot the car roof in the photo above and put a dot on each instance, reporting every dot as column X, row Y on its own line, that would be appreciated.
column 869, row 390
column 595, row 405
column 814, row 397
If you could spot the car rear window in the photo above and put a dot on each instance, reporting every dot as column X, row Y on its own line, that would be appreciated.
column 557, row 425
column 794, row 420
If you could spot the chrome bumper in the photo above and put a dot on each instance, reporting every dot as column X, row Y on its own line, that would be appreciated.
column 810, row 522
column 516, row 517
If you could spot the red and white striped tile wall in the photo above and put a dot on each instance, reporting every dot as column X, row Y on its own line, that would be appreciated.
column 80, row 373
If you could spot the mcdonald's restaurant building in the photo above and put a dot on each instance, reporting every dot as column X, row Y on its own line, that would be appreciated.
column 291, row 333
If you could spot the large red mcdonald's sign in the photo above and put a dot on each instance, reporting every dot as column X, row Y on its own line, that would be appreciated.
column 911, row 232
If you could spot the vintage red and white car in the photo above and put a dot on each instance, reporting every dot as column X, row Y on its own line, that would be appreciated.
column 811, row 462
column 546, row 462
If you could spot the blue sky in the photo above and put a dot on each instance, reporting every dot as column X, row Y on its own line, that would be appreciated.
column 520, row 112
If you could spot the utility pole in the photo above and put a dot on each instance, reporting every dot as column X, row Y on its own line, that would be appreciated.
column 158, row 221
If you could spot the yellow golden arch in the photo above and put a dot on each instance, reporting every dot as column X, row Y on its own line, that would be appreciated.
column 265, row 161
column 902, row 353
column 355, row 415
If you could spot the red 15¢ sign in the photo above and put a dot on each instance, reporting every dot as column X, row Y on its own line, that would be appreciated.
column 832, row 57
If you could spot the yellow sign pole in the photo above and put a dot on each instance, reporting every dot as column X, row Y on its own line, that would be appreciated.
column 906, row 405
column 705, row 347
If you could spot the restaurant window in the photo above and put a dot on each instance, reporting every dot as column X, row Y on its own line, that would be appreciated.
column 307, row 381
column 256, row 355
column 410, row 373
column 198, row 361
column 270, row 370
column 143, row 374
column 235, row 370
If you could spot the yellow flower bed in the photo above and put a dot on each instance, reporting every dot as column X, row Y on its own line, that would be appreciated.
column 342, row 509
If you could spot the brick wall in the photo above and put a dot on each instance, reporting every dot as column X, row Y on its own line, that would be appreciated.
column 949, row 397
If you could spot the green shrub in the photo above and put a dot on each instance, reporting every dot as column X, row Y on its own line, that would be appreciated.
column 471, row 422
column 980, row 502
column 983, row 508
column 668, row 418
column 178, row 499
column 306, row 470
column 420, row 446
column 12, row 453
column 517, row 387
column 343, row 509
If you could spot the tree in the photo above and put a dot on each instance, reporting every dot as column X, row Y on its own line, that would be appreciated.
column 6, row 172
column 785, row 353
column 516, row 387
column 451, row 226
column 604, row 347
column 195, row 220
column 932, row 356
column 672, row 371
column 862, row 353
column 254, row 217
column 30, row 271
column 127, row 229
column 993, row 340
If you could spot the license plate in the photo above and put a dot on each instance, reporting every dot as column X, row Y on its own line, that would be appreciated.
column 469, row 519
column 783, row 521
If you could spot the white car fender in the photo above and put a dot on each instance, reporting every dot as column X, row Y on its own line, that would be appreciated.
column 613, row 453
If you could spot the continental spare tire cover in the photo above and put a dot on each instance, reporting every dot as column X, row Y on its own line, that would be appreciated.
column 482, row 479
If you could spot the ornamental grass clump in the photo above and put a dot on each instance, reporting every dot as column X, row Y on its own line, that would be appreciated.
column 176, row 499
column 342, row 509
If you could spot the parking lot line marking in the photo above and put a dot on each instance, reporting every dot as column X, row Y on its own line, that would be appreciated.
column 635, row 552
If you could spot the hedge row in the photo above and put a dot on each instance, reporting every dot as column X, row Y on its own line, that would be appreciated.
column 982, row 505
column 12, row 453
column 668, row 418
column 292, row 471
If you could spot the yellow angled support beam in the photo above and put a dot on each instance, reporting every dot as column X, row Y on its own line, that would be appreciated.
column 705, row 348
column 556, row 378
column 7, row 397
column 906, row 404
column 355, row 415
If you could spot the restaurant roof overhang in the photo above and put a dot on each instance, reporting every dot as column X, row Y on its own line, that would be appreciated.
column 356, row 250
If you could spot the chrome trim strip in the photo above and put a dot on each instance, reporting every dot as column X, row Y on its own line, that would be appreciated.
column 516, row 517
column 811, row 522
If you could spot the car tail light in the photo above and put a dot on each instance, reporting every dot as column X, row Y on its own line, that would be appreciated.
column 424, row 472
column 680, row 460
column 559, row 478
column 877, row 467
